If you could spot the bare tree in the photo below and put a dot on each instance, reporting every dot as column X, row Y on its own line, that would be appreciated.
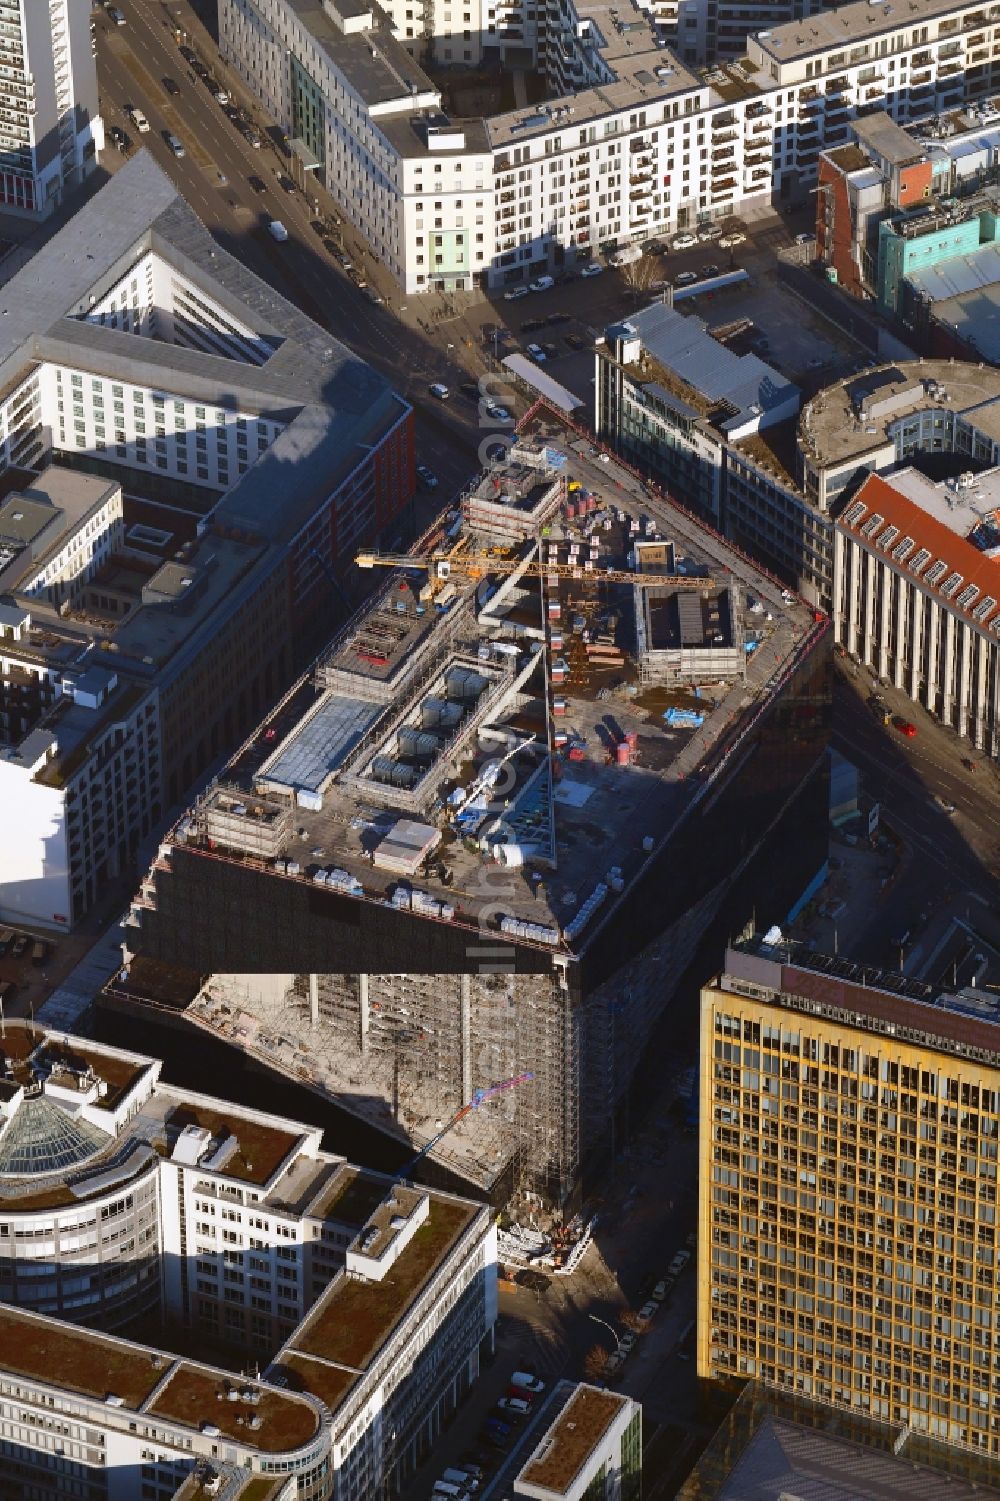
column 639, row 274
column 595, row 1363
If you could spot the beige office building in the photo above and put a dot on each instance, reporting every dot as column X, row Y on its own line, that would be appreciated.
column 850, row 1122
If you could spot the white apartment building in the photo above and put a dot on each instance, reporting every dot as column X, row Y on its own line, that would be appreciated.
column 367, row 1300
column 918, row 593
column 630, row 142
column 50, row 124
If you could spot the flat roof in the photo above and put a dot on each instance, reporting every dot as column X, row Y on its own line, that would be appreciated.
column 838, row 427
column 847, row 26
column 880, row 133
column 963, row 1024
column 353, row 1318
column 774, row 1443
column 191, row 1395
column 457, row 684
column 975, row 317
column 37, row 519
column 642, row 72
column 63, row 1355
column 572, row 1439
column 321, row 742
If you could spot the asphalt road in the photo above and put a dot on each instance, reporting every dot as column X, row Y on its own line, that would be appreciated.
column 944, row 854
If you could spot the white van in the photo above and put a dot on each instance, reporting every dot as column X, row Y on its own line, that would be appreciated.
column 277, row 230
column 541, row 284
column 138, row 119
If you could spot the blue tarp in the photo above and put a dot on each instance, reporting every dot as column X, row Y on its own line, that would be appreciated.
column 684, row 719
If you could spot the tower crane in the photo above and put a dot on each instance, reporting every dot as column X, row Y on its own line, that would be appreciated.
column 479, row 1097
column 441, row 566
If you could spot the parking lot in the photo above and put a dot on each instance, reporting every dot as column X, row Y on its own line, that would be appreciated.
column 564, row 320
column 24, row 960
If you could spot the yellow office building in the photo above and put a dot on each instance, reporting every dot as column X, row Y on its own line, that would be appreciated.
column 849, row 1132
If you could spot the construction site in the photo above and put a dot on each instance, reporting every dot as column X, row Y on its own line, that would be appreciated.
column 456, row 876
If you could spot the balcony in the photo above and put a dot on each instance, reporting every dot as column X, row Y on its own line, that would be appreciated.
column 722, row 140
column 924, row 76
column 949, row 69
column 837, row 85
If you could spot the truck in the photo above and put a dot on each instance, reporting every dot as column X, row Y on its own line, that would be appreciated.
column 627, row 256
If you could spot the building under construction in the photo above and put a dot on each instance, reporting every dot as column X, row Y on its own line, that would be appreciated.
column 484, row 836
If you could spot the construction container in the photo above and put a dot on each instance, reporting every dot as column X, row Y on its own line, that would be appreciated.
column 560, row 738
column 560, row 708
column 623, row 753
column 570, row 509
column 632, row 737
column 577, row 753
column 556, row 640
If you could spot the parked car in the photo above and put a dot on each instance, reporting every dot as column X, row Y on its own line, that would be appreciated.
column 732, row 239
column 439, row 391
column 219, row 94
column 515, row 1405
column 199, row 67
column 175, row 143
column 115, row 15
column 685, row 278
column 497, row 412
column 576, row 341
column 426, row 478
column 593, row 269
column 19, row 947
column 513, row 293
column 654, row 247
column 532, row 325
column 171, row 85
column 709, row 232
column 662, row 1288
column 277, row 230
column 541, row 284
column 119, row 138
column 648, row 1311
column 614, row 1363
column 537, row 353
column 527, row 1381
column 627, row 1343
column 804, row 239
column 684, row 241
column 710, row 270
column 558, row 317
column 250, row 135
column 551, row 351
column 189, row 55
column 39, row 951
column 257, row 185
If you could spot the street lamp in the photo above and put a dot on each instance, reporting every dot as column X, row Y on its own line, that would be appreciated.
column 610, row 1328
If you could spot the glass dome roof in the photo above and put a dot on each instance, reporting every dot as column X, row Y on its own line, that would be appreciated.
column 44, row 1138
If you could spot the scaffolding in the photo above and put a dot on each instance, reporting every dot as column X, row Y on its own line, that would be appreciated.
column 407, row 1050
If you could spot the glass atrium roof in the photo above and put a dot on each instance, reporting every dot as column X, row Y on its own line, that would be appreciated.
column 44, row 1138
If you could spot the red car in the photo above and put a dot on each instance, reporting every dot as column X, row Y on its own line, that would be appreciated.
column 905, row 727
